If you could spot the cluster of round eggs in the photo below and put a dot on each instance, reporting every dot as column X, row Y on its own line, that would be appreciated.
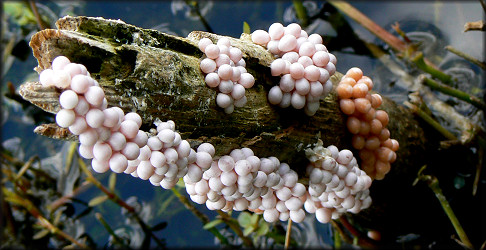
column 225, row 70
column 163, row 158
column 366, row 123
column 241, row 181
column 336, row 183
column 112, row 139
column 238, row 181
column 303, row 63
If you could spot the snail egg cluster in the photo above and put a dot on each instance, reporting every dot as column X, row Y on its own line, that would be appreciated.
column 336, row 183
column 225, row 70
column 303, row 63
column 238, row 181
column 366, row 123
column 241, row 181
column 111, row 138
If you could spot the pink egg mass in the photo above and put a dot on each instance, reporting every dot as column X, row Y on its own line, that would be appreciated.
column 366, row 123
column 237, row 181
column 225, row 69
column 306, row 58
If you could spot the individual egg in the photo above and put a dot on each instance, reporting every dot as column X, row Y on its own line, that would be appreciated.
column 260, row 37
column 94, row 95
column 68, row 99
column 65, row 118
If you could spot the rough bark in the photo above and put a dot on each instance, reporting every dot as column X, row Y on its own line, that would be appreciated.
column 157, row 75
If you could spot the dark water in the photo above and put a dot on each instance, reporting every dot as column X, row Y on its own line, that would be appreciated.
column 443, row 21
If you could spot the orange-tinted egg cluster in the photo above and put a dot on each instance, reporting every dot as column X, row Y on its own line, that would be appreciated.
column 367, row 123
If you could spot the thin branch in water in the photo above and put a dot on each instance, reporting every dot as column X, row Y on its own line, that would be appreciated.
column 466, row 56
column 301, row 13
column 202, row 217
column 482, row 144
column 63, row 200
column 34, row 211
column 35, row 11
column 236, row 228
column 287, row 234
column 483, row 4
column 452, row 92
column 374, row 28
column 363, row 241
column 433, row 184
column 427, row 118
column 419, row 61
column 400, row 32
column 110, row 231
column 115, row 198
column 195, row 6
column 26, row 166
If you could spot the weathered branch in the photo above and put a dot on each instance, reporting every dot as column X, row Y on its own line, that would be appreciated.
column 158, row 76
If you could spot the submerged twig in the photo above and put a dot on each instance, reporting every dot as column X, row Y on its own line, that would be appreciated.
column 61, row 201
column 115, row 198
column 34, row 211
column 202, row 217
column 483, row 4
column 110, row 231
column 26, row 166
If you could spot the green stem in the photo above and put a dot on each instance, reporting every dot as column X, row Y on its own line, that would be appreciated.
column 433, row 183
column 26, row 166
column 236, row 228
column 423, row 65
column 466, row 56
column 110, row 231
column 195, row 7
column 202, row 217
column 301, row 13
column 34, row 211
column 428, row 119
column 454, row 92
column 115, row 198
column 479, row 167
